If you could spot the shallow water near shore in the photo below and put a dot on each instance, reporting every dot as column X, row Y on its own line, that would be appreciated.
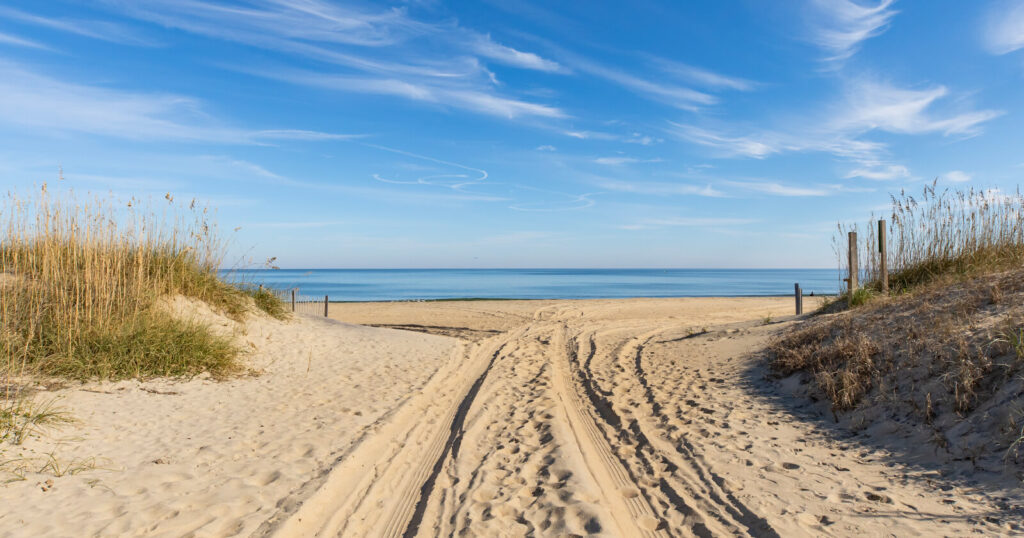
column 424, row 284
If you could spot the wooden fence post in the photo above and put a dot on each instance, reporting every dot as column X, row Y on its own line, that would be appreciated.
column 325, row 306
column 884, row 276
column 852, row 258
column 261, row 289
column 293, row 300
column 799, row 294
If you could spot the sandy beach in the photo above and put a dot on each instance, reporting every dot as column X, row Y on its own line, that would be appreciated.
column 639, row 417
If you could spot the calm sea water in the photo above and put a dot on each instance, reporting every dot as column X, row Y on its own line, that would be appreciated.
column 413, row 284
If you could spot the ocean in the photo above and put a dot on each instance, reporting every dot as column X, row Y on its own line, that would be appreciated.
column 427, row 284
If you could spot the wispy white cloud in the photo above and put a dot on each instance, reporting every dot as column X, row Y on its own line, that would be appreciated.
column 957, row 176
column 620, row 160
column 1003, row 28
column 757, row 146
column 248, row 167
column 840, row 26
column 287, row 225
column 880, row 172
column 546, row 147
column 102, row 30
column 632, row 137
column 703, row 77
column 642, row 139
column 277, row 23
column 591, row 135
column 487, row 48
column 133, row 183
column 873, row 105
column 778, row 189
column 8, row 39
column 381, row 51
column 499, row 106
column 672, row 95
column 571, row 202
column 300, row 134
column 840, row 129
column 658, row 188
column 838, row 187
column 690, row 222
column 33, row 100
column 226, row 167
column 476, row 99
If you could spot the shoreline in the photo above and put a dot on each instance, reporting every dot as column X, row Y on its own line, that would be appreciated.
column 635, row 298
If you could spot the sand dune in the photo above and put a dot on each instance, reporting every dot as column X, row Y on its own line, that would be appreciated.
column 216, row 458
column 643, row 417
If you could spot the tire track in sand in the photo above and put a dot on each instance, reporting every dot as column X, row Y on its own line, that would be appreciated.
column 676, row 487
column 411, row 478
column 692, row 474
column 519, row 472
column 631, row 510
column 379, row 489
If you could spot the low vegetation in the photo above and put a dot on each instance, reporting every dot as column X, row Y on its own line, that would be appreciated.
column 945, row 347
column 84, row 287
column 266, row 300
column 20, row 417
column 943, row 234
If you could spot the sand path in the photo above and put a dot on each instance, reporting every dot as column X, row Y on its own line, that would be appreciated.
column 616, row 418
column 640, row 417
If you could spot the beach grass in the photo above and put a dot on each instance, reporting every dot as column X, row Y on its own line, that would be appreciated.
column 266, row 300
column 951, row 333
column 85, row 285
column 941, row 234
column 21, row 416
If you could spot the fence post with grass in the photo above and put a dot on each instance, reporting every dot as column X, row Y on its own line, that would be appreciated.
column 941, row 232
column 882, row 269
column 325, row 306
column 852, row 257
column 293, row 300
column 799, row 294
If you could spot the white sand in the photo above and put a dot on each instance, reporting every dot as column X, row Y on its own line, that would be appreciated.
column 640, row 417
column 210, row 458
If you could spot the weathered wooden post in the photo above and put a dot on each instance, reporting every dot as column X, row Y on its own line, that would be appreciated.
column 325, row 306
column 852, row 258
column 884, row 276
column 261, row 289
column 293, row 300
column 799, row 294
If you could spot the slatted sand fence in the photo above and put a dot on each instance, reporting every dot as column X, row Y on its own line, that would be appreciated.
column 304, row 304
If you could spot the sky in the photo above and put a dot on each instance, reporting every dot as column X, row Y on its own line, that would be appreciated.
column 505, row 133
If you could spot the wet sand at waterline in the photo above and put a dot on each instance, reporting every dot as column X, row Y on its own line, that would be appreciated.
column 636, row 417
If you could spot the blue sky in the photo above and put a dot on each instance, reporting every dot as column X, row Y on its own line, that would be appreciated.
column 516, row 134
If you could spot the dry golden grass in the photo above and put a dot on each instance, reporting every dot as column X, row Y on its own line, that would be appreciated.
column 942, row 233
column 946, row 350
column 82, row 282
column 955, row 329
column 946, row 251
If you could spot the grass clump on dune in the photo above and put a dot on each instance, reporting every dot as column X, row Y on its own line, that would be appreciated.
column 266, row 300
column 83, row 286
column 943, row 234
column 946, row 348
